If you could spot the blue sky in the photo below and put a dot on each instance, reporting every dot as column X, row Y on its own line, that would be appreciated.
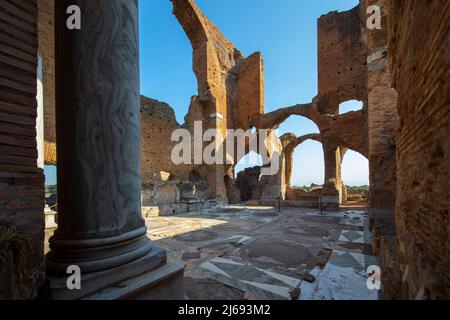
column 285, row 31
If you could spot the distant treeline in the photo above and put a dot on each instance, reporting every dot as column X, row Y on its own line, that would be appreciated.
column 350, row 189
column 51, row 188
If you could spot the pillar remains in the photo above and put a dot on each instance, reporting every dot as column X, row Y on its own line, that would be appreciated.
column 100, row 226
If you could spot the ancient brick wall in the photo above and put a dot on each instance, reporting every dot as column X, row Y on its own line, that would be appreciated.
column 250, row 90
column 218, row 66
column 164, row 182
column 157, row 125
column 382, row 118
column 46, row 49
column 382, row 127
column 21, row 181
column 342, row 56
column 272, row 187
column 342, row 67
column 419, row 60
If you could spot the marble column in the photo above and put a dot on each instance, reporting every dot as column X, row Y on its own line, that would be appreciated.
column 100, row 225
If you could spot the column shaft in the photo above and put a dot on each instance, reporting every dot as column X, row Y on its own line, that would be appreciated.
column 100, row 225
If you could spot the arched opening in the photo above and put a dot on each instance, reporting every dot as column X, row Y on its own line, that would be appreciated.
column 304, row 166
column 350, row 105
column 355, row 176
column 308, row 169
column 247, row 173
column 166, row 73
column 298, row 125
column 252, row 159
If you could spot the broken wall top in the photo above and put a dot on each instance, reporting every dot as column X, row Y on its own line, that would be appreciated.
column 229, row 85
column 342, row 59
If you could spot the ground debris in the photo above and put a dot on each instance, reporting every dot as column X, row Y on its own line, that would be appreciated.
column 309, row 278
column 294, row 293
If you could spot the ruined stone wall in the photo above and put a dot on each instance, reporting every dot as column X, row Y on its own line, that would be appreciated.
column 230, row 86
column 342, row 54
column 383, row 124
column 419, row 61
column 214, row 58
column 47, row 52
column 250, row 90
column 247, row 183
column 342, row 58
column 273, row 186
column 158, row 122
column 382, row 118
column 21, row 181
column 266, row 183
column 231, row 91
column 163, row 181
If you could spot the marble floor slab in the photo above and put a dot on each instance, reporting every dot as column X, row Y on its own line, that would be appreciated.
column 261, row 253
column 337, row 283
column 357, row 261
column 352, row 236
column 263, row 284
column 357, row 222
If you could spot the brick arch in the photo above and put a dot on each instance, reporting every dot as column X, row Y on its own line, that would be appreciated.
column 289, row 152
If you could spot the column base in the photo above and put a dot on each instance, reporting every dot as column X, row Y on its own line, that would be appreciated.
column 164, row 283
column 98, row 254
column 151, row 267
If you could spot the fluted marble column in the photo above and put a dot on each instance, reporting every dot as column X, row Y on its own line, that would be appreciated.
column 100, row 225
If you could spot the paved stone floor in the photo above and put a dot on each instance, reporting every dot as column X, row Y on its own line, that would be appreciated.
column 236, row 253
